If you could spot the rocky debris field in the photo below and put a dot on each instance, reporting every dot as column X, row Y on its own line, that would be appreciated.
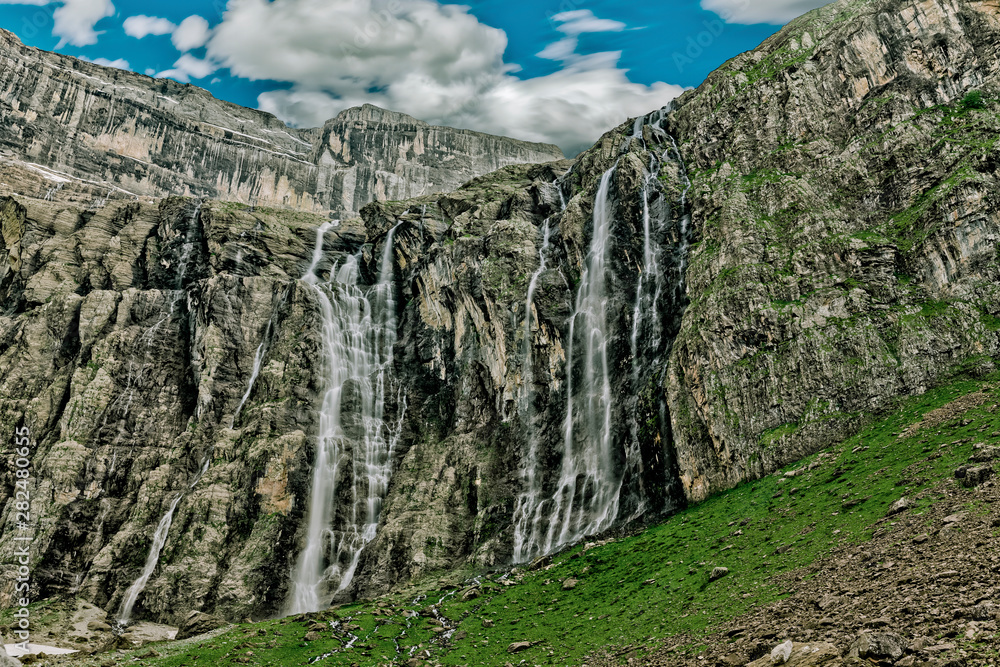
column 924, row 591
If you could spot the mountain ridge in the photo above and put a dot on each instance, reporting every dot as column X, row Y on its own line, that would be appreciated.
column 156, row 137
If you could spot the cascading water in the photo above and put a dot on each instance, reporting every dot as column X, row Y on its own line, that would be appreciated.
column 258, row 358
column 159, row 541
column 591, row 492
column 685, row 235
column 357, row 341
column 187, row 248
column 528, row 511
column 586, row 499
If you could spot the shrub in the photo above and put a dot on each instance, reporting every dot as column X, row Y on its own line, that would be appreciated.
column 974, row 100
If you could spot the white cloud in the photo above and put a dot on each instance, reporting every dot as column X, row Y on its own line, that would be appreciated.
column 192, row 33
column 436, row 62
column 188, row 67
column 579, row 21
column 73, row 20
column 119, row 63
column 140, row 26
column 749, row 12
column 564, row 49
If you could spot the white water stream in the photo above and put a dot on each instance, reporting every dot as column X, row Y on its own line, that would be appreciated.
column 587, row 497
column 358, row 334
column 528, row 511
column 159, row 541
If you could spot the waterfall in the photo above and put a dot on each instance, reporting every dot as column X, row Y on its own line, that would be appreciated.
column 528, row 512
column 357, row 342
column 685, row 236
column 645, row 303
column 188, row 246
column 586, row 499
column 258, row 358
column 650, row 267
column 159, row 541
column 591, row 489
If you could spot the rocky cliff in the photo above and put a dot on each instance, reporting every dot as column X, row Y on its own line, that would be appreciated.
column 707, row 294
column 845, row 180
column 139, row 136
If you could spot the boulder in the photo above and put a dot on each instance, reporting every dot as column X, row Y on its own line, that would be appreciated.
column 878, row 646
column 517, row 647
column 984, row 453
column 972, row 476
column 899, row 506
column 795, row 654
column 6, row 660
column 198, row 623
column 718, row 573
column 782, row 653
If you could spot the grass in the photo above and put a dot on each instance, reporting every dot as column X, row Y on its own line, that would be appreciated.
column 638, row 590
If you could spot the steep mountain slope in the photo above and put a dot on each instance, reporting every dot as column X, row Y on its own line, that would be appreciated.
column 845, row 191
column 843, row 254
column 550, row 351
column 156, row 137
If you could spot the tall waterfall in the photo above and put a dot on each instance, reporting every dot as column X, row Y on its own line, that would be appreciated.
column 586, row 500
column 528, row 512
column 590, row 492
column 354, row 446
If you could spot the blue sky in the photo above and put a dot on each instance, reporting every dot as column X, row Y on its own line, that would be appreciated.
column 562, row 71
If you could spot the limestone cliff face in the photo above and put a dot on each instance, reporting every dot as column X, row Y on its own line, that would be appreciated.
column 130, row 335
column 156, row 137
column 369, row 154
column 128, row 339
column 846, row 200
column 806, row 237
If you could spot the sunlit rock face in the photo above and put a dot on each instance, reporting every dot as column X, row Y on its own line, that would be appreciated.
column 708, row 293
column 156, row 137
column 845, row 194
column 368, row 154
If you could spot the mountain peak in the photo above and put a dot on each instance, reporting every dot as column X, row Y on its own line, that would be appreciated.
column 369, row 113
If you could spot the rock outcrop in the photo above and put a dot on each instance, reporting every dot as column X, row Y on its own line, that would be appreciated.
column 134, row 135
column 368, row 154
